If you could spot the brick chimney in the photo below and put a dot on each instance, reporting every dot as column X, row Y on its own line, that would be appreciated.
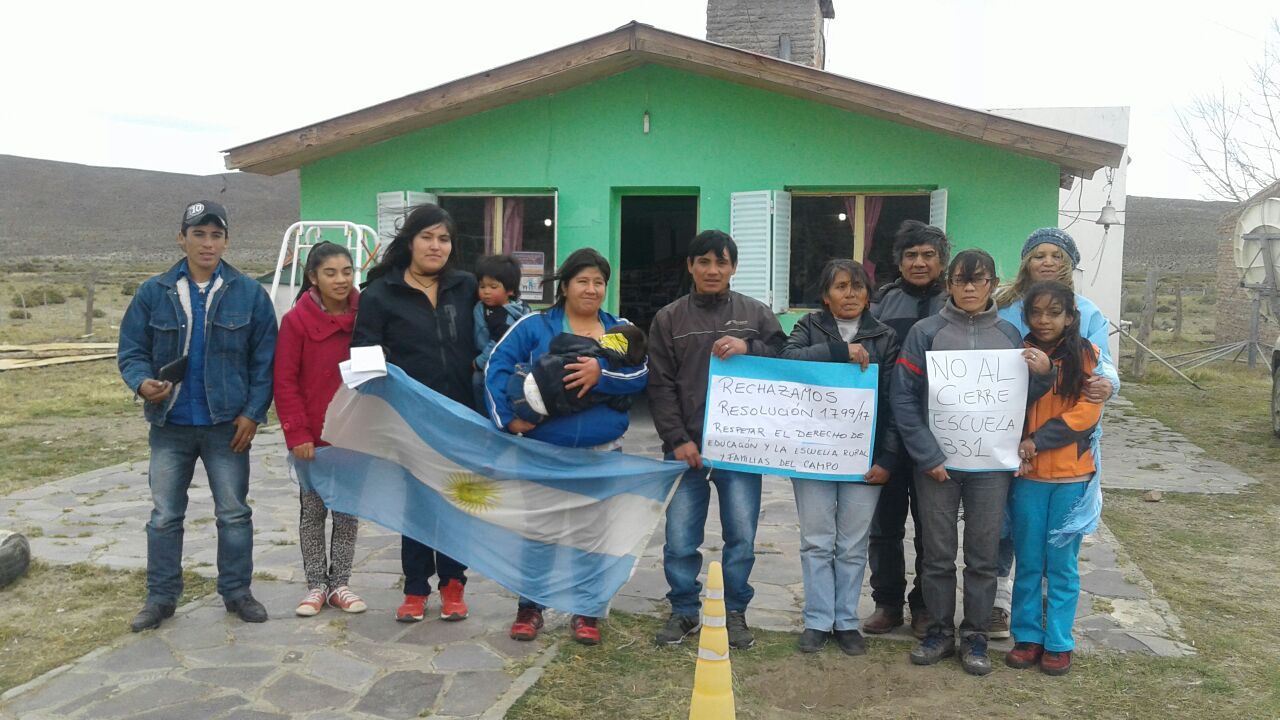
column 787, row 29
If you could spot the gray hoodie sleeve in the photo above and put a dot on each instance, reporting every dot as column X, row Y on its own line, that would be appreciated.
column 910, row 386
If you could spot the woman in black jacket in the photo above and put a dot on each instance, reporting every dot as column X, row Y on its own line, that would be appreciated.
column 835, row 516
column 419, row 309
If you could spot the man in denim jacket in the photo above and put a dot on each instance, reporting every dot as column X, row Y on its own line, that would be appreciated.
column 224, row 323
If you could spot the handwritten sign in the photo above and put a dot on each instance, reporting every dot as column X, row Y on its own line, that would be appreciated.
column 789, row 417
column 977, row 406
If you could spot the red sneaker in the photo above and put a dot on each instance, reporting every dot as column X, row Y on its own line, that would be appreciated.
column 452, row 606
column 1056, row 663
column 412, row 609
column 1024, row 655
column 585, row 630
column 528, row 623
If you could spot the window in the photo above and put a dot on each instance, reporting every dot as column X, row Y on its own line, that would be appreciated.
column 518, row 225
column 846, row 226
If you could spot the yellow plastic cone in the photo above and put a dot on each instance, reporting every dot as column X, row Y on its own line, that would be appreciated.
column 712, row 680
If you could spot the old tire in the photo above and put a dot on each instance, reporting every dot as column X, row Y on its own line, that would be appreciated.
column 1275, row 400
column 15, row 557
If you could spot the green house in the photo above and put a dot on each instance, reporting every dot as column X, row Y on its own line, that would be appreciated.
column 633, row 141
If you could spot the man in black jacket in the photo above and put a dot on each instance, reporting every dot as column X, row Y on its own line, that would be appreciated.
column 710, row 320
column 921, row 252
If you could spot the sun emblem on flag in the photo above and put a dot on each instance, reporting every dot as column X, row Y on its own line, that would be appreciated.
column 472, row 493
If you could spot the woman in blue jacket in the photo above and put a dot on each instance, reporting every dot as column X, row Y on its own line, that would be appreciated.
column 581, row 287
column 1051, row 254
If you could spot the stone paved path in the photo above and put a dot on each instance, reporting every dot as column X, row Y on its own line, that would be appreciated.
column 204, row 663
column 1150, row 456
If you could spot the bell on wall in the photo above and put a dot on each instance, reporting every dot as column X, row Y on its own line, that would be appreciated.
column 1108, row 217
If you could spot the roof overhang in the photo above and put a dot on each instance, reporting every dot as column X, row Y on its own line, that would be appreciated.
column 637, row 44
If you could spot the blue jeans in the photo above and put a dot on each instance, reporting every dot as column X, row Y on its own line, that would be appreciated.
column 835, row 526
column 1039, row 507
column 984, row 495
column 739, row 495
column 174, row 450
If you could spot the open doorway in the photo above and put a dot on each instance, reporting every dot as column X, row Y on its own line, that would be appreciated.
column 656, row 230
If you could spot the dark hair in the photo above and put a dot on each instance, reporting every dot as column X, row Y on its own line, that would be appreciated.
column 319, row 252
column 637, row 343
column 399, row 253
column 969, row 263
column 912, row 233
column 857, row 275
column 578, row 261
column 1072, row 348
column 502, row 268
column 716, row 241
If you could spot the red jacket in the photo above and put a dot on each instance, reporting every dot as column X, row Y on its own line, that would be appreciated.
column 310, row 346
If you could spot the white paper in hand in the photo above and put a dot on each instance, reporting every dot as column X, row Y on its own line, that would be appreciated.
column 366, row 363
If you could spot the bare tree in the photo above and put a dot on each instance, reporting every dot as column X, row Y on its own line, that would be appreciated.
column 1233, row 139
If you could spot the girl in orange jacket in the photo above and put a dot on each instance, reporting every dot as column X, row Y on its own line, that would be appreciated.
column 1057, row 462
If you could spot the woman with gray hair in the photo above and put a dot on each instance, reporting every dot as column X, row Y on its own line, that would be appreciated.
column 835, row 517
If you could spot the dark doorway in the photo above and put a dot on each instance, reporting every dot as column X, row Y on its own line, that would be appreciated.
column 656, row 230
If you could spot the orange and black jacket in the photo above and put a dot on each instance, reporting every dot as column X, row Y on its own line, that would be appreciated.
column 1062, row 428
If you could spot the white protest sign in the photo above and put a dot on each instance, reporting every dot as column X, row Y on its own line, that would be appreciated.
column 788, row 417
column 977, row 406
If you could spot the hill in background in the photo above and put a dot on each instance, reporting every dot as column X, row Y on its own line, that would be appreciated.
column 1172, row 235
column 58, row 209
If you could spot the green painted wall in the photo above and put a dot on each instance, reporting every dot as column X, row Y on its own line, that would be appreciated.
column 708, row 134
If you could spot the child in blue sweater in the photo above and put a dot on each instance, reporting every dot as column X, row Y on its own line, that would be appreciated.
column 498, row 308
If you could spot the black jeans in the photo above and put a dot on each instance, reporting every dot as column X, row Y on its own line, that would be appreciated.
column 420, row 562
column 888, row 530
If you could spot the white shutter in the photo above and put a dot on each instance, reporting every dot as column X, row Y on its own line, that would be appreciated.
column 390, row 212
column 760, row 222
column 393, row 206
column 414, row 199
column 781, row 281
column 750, row 224
column 938, row 209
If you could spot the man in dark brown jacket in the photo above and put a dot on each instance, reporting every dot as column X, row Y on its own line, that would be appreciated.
column 710, row 320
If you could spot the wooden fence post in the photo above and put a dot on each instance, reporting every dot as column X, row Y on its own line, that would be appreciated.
column 88, row 303
column 1177, row 310
column 1144, row 325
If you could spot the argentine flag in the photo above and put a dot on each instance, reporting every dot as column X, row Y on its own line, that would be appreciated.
column 561, row 526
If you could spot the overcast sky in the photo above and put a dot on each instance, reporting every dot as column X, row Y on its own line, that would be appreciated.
column 167, row 85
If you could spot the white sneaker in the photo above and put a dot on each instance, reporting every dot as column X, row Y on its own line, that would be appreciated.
column 312, row 603
column 342, row 598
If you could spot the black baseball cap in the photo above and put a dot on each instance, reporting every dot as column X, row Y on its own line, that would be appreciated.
column 203, row 211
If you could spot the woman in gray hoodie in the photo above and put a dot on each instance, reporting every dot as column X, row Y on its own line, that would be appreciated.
column 967, row 321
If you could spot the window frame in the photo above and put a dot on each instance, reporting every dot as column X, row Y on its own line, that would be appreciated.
column 494, row 243
column 859, row 227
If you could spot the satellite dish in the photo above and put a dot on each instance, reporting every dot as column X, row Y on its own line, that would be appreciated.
column 1257, row 253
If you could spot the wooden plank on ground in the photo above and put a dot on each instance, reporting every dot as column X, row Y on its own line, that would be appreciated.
column 48, row 347
column 24, row 363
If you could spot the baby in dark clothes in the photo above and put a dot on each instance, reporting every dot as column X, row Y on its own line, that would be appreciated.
column 538, row 390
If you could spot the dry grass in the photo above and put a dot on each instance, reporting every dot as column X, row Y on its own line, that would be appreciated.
column 62, row 420
column 24, row 282
column 55, row 614
column 630, row 677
